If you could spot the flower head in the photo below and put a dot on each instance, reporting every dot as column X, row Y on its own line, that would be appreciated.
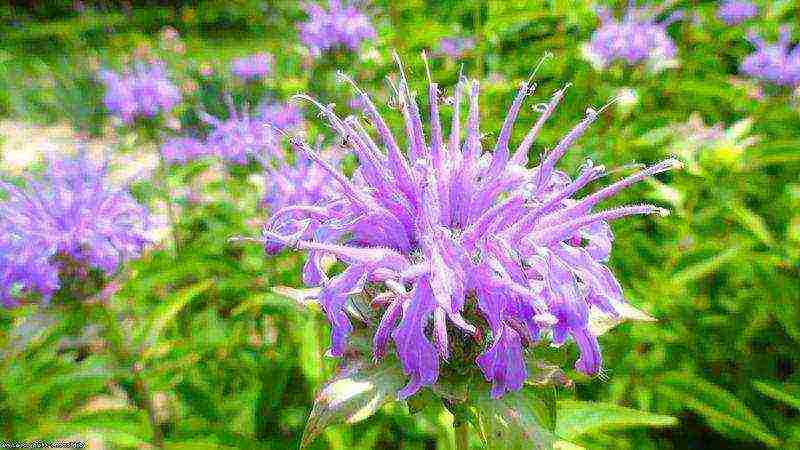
column 341, row 25
column 461, row 241
column 241, row 135
column 144, row 91
column 300, row 184
column 284, row 116
column 777, row 63
column 71, row 211
column 635, row 39
column 181, row 150
column 455, row 47
column 734, row 12
column 252, row 67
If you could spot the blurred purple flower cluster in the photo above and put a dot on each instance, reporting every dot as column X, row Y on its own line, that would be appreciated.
column 303, row 184
column 341, row 25
column 635, row 39
column 776, row 63
column 734, row 12
column 300, row 183
column 240, row 136
column 284, row 116
column 458, row 243
column 455, row 47
column 71, row 211
column 181, row 150
column 253, row 67
column 143, row 91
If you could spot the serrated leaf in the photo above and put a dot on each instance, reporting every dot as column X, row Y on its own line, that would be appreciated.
column 782, row 392
column 721, row 409
column 577, row 418
column 600, row 323
column 359, row 390
column 520, row 420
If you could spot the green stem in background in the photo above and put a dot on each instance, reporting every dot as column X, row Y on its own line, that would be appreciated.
column 120, row 349
column 143, row 391
column 163, row 186
column 478, row 40
column 462, row 435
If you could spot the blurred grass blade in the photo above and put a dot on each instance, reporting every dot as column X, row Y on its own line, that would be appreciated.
column 784, row 393
column 753, row 222
column 721, row 409
column 577, row 418
column 711, row 265
column 167, row 311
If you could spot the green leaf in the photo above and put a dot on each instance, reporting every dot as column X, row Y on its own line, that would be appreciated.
column 357, row 392
column 167, row 311
column 544, row 374
column 786, row 393
column 706, row 267
column 753, row 222
column 600, row 323
column 577, row 418
column 521, row 420
column 303, row 297
column 721, row 409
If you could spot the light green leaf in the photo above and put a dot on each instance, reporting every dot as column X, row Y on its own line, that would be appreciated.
column 304, row 297
column 522, row 420
column 721, row 409
column 706, row 267
column 544, row 374
column 577, row 418
column 753, row 222
column 786, row 393
column 167, row 311
column 359, row 390
column 600, row 323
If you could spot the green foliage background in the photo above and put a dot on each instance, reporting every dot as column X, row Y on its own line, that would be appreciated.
column 235, row 365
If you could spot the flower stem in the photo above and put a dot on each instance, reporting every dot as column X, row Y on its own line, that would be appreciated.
column 140, row 385
column 164, row 186
column 120, row 349
column 462, row 435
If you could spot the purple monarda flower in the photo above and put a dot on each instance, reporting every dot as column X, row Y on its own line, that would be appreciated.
column 71, row 211
column 734, row 12
column 283, row 116
column 181, row 150
column 144, row 91
column 636, row 39
column 252, row 67
column 341, row 25
column 240, row 136
column 301, row 184
column 462, row 239
column 777, row 63
column 455, row 47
